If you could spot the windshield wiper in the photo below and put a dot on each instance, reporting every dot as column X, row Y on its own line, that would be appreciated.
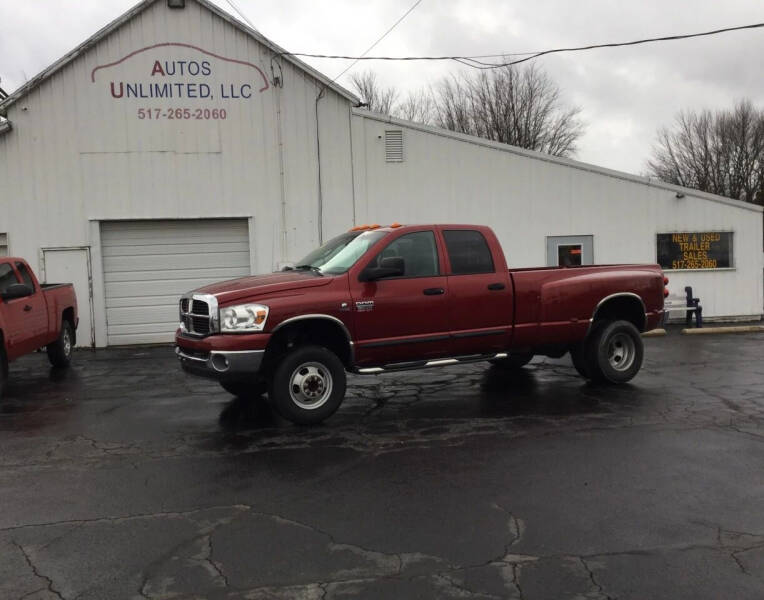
column 309, row 267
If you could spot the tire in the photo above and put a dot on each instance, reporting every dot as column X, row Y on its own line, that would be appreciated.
column 245, row 389
column 3, row 370
column 614, row 352
column 578, row 357
column 308, row 385
column 60, row 351
column 513, row 361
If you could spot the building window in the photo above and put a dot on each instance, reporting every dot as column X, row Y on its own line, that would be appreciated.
column 569, row 250
column 3, row 244
column 570, row 255
column 394, row 145
column 695, row 250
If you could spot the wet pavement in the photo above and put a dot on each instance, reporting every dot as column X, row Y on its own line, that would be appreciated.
column 125, row 478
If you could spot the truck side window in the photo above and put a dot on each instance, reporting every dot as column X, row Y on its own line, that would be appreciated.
column 468, row 252
column 25, row 276
column 7, row 277
column 418, row 251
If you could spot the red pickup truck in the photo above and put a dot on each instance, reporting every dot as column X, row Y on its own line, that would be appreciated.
column 404, row 297
column 33, row 315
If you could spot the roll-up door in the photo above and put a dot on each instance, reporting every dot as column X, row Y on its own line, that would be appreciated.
column 148, row 265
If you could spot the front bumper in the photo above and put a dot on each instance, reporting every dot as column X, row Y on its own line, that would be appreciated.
column 221, row 365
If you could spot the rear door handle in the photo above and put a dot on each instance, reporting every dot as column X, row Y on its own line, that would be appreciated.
column 27, row 308
column 496, row 286
column 434, row 291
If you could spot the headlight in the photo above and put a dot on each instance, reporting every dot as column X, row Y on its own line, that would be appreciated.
column 243, row 318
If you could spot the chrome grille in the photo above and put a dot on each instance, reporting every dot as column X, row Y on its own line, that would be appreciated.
column 197, row 315
column 199, row 307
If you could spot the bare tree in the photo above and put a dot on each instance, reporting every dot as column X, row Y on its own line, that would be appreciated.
column 718, row 152
column 378, row 98
column 522, row 107
column 418, row 106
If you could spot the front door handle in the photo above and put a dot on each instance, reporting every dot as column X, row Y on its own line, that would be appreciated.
column 27, row 308
column 434, row 291
column 496, row 286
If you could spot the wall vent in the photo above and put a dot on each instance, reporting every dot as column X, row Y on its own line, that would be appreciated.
column 393, row 145
column 3, row 244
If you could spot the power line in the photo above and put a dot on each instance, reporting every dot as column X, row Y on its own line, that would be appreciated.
column 382, row 37
column 241, row 14
column 475, row 62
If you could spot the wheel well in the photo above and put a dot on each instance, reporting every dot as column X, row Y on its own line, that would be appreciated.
column 68, row 315
column 321, row 332
column 626, row 308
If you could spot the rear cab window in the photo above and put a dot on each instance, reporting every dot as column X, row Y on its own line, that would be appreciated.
column 468, row 252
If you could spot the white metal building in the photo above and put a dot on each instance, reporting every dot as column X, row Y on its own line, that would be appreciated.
column 178, row 147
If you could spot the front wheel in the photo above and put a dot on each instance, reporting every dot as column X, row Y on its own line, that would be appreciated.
column 3, row 370
column 60, row 351
column 308, row 385
column 615, row 352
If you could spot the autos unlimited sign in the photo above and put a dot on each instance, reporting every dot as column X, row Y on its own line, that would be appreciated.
column 182, row 78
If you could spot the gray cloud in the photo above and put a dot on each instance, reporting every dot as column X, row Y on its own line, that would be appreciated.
column 625, row 93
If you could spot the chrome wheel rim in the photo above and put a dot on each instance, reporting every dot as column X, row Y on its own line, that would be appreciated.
column 621, row 351
column 67, row 342
column 310, row 385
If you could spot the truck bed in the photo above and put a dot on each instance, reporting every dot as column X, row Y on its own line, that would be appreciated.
column 554, row 305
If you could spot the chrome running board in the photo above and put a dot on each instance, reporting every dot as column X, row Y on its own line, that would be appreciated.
column 422, row 364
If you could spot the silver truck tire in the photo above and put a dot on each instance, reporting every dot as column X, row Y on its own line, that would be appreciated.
column 60, row 351
column 308, row 385
column 3, row 370
column 614, row 352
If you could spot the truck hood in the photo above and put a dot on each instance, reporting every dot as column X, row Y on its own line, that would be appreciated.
column 256, row 286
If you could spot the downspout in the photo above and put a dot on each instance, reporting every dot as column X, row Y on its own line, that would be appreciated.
column 282, row 179
column 318, row 158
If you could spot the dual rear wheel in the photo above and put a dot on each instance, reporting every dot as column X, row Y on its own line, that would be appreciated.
column 612, row 352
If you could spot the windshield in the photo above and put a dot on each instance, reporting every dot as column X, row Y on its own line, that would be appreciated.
column 349, row 255
column 322, row 254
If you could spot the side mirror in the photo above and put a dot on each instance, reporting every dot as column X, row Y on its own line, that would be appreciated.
column 393, row 266
column 17, row 290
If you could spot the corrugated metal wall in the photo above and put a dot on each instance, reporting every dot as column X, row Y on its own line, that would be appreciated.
column 77, row 155
column 453, row 179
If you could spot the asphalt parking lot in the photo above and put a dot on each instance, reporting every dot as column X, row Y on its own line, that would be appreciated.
column 125, row 478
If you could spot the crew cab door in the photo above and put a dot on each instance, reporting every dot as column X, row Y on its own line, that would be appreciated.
column 480, row 303
column 402, row 318
column 35, row 309
column 18, row 332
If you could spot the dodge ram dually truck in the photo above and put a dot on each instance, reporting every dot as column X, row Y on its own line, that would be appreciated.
column 384, row 299
column 33, row 316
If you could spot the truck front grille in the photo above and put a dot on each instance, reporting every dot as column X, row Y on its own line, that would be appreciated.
column 197, row 321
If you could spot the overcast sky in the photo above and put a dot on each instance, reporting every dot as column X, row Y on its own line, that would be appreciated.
column 625, row 93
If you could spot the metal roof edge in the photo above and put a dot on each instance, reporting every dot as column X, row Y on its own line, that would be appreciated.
column 279, row 50
column 567, row 162
column 73, row 54
column 134, row 11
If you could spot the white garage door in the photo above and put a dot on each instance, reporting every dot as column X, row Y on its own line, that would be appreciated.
column 148, row 265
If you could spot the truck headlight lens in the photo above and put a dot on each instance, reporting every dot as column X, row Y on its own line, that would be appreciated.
column 243, row 318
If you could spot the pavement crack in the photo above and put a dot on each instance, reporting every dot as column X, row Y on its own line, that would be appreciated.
column 593, row 579
column 36, row 572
